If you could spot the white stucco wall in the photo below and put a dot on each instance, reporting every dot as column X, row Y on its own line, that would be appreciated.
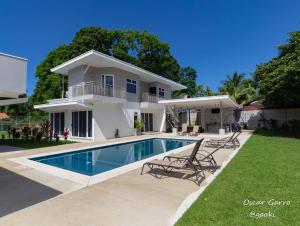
column 109, row 117
column 13, row 75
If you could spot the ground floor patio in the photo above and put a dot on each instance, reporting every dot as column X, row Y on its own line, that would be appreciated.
column 29, row 196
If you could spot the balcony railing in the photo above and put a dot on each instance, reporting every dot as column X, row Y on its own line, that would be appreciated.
column 95, row 88
column 151, row 98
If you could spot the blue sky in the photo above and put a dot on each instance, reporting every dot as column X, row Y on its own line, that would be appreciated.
column 214, row 37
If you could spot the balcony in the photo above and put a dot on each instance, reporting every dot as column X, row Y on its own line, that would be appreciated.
column 96, row 91
column 151, row 98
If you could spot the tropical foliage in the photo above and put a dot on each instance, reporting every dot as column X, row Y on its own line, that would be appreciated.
column 241, row 89
column 279, row 79
column 139, row 48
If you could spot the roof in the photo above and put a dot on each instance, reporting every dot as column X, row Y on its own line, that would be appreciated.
column 202, row 102
column 97, row 59
column 13, row 101
column 56, row 107
column 3, row 115
column 12, row 56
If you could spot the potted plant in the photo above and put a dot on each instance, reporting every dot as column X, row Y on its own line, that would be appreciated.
column 138, row 126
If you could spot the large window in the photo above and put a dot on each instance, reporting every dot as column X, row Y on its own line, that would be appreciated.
column 82, row 124
column 147, row 119
column 131, row 86
column 58, row 122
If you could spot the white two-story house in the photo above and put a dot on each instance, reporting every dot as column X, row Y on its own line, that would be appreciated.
column 106, row 94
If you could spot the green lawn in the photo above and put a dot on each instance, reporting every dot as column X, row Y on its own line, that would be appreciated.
column 29, row 144
column 266, row 168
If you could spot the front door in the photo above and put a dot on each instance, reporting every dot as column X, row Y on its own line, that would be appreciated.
column 147, row 119
column 108, row 85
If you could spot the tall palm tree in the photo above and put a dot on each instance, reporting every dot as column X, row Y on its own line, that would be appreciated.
column 232, row 85
column 239, row 88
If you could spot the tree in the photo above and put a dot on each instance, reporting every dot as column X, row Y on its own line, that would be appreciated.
column 239, row 88
column 204, row 91
column 279, row 79
column 139, row 48
column 188, row 76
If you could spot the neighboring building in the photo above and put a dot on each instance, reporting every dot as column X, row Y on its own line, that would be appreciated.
column 106, row 94
column 4, row 116
column 13, row 76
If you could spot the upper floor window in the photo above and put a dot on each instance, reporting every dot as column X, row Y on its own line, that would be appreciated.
column 161, row 92
column 131, row 86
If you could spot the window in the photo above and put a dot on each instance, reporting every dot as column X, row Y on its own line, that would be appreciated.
column 131, row 86
column 215, row 110
column 58, row 122
column 161, row 92
column 82, row 124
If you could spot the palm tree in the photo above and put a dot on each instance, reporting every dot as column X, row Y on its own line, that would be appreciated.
column 239, row 88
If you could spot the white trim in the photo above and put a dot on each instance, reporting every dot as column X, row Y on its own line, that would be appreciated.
column 13, row 101
column 12, row 56
column 200, row 99
column 59, row 68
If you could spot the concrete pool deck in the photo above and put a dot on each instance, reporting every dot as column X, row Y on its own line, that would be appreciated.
column 33, row 197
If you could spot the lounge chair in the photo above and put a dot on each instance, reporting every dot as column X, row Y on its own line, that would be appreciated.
column 202, row 156
column 183, row 130
column 195, row 131
column 231, row 142
column 189, row 164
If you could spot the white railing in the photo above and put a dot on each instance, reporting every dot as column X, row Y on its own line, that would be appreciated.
column 95, row 88
column 151, row 98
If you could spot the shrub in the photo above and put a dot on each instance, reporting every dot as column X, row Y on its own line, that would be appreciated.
column 46, row 129
column 39, row 136
column 66, row 133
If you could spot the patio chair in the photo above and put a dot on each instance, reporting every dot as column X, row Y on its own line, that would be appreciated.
column 183, row 130
column 189, row 164
column 195, row 131
column 231, row 142
column 202, row 156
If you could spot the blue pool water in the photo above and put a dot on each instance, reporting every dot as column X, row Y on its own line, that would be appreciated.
column 97, row 160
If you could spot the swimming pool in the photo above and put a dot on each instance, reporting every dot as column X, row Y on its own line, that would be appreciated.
column 97, row 160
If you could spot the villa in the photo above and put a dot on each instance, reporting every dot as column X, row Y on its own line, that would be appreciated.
column 105, row 95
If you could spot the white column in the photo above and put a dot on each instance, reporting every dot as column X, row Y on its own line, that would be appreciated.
column 221, row 130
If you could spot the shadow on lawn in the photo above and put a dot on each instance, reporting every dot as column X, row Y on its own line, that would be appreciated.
column 18, row 192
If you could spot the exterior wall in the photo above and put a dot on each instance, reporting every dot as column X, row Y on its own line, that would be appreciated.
column 13, row 73
column 252, row 117
column 76, row 76
column 109, row 117
column 163, row 86
column 159, row 118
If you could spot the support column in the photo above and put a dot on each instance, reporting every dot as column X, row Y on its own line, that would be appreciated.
column 221, row 130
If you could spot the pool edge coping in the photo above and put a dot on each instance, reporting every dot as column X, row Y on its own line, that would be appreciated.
column 86, row 180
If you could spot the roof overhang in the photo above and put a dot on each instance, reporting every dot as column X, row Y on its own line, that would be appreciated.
column 13, row 101
column 223, row 101
column 96, row 59
column 57, row 107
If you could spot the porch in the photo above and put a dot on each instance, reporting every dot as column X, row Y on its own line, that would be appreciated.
column 214, row 114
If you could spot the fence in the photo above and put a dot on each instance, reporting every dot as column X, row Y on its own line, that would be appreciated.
column 22, row 121
column 254, row 118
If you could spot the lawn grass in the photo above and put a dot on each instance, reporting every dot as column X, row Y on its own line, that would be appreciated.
column 30, row 144
column 267, row 167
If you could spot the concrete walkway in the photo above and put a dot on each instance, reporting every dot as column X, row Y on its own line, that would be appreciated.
column 128, row 199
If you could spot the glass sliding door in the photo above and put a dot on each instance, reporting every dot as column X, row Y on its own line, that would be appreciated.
column 82, row 124
column 57, row 121
column 147, row 119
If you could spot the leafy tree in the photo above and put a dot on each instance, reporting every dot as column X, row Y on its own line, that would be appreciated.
column 239, row 88
column 139, row 48
column 188, row 76
column 279, row 79
column 204, row 91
